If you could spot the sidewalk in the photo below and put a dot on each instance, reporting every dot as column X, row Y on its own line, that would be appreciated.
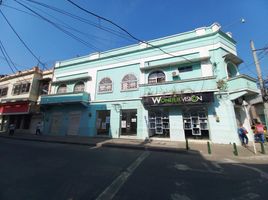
column 217, row 150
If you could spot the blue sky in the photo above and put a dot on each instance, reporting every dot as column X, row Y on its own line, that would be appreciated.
column 145, row 19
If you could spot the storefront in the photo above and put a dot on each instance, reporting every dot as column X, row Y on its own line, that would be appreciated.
column 16, row 113
column 128, row 122
column 193, row 108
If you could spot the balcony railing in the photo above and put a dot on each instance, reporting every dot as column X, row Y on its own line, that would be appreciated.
column 65, row 98
column 180, row 86
column 241, row 82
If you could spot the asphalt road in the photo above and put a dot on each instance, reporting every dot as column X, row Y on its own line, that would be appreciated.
column 36, row 171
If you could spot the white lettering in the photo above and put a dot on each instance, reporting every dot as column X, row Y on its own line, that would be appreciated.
column 156, row 99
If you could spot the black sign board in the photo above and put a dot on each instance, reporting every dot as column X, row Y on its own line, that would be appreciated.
column 178, row 99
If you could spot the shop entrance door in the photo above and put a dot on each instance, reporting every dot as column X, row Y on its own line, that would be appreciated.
column 103, row 122
column 129, row 122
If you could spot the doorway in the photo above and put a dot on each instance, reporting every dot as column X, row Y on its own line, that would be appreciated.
column 103, row 122
column 129, row 122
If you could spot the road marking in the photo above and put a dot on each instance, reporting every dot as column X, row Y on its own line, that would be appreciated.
column 262, row 173
column 177, row 196
column 112, row 189
column 183, row 167
column 217, row 166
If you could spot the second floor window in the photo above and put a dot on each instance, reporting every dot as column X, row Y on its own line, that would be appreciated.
column 62, row 89
column 185, row 69
column 21, row 88
column 79, row 87
column 105, row 85
column 129, row 82
column 156, row 77
column 3, row 91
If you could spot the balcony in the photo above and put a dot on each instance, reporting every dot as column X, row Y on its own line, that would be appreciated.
column 241, row 83
column 65, row 98
column 180, row 86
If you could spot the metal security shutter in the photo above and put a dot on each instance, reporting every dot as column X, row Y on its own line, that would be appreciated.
column 55, row 124
column 74, row 123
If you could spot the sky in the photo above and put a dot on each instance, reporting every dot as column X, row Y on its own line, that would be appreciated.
column 144, row 19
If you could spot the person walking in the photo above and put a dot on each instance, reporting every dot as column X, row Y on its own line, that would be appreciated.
column 11, row 129
column 38, row 129
column 242, row 132
column 259, row 131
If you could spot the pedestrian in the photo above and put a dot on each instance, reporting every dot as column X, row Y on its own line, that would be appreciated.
column 38, row 129
column 11, row 129
column 259, row 131
column 242, row 132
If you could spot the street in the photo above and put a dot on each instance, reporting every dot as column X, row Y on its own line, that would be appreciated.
column 36, row 170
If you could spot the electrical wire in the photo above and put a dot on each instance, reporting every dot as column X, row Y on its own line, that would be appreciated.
column 63, row 24
column 11, row 64
column 16, row 33
column 81, row 19
column 59, row 28
column 128, row 33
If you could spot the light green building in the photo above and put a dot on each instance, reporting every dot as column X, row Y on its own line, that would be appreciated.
column 181, row 86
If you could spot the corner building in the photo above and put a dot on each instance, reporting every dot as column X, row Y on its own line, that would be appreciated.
column 191, row 88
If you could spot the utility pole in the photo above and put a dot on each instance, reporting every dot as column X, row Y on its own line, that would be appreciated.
column 263, row 90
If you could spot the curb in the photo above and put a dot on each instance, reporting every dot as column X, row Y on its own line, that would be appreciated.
column 47, row 141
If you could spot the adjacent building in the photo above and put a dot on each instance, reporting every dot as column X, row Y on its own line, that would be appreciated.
column 20, row 97
column 182, row 86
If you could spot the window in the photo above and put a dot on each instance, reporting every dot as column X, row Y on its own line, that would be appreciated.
column 105, row 85
column 185, row 69
column 156, row 77
column 62, row 89
column 44, row 88
column 231, row 70
column 3, row 91
column 79, row 87
column 129, row 82
column 21, row 88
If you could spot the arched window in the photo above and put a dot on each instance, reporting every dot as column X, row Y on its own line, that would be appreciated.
column 129, row 82
column 231, row 70
column 106, row 85
column 156, row 77
column 79, row 87
column 62, row 89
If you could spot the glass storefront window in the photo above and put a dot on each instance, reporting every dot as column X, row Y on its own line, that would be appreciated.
column 195, row 124
column 159, row 123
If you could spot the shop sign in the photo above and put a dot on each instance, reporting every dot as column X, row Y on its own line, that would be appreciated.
column 15, row 108
column 178, row 99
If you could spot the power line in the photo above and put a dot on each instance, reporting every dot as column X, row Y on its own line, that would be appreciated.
column 61, row 29
column 128, row 33
column 25, row 45
column 81, row 19
column 63, row 24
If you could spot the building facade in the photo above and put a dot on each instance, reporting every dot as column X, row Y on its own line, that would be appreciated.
column 182, row 86
column 20, row 97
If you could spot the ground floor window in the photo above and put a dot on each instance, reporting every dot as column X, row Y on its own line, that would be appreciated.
column 159, row 123
column 129, row 122
column 103, row 122
column 195, row 124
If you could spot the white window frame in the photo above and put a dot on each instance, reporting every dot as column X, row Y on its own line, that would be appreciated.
column 107, row 86
column 127, row 82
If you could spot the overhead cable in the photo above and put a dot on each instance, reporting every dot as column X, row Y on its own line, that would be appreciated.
column 25, row 45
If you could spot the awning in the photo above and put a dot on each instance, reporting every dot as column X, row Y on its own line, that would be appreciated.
column 237, row 95
column 233, row 58
column 14, row 108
